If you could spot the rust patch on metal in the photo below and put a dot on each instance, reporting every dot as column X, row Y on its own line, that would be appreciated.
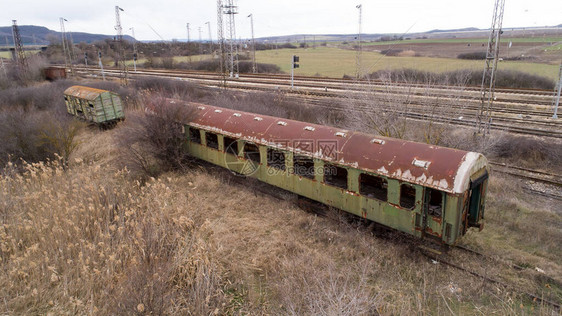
column 437, row 219
column 431, row 232
column 82, row 92
column 423, row 164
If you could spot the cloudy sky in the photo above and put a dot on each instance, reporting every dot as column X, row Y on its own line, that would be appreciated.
column 167, row 18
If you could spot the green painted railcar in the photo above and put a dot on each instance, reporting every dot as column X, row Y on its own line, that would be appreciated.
column 98, row 106
column 423, row 190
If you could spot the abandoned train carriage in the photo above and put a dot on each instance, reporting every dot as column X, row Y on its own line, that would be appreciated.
column 94, row 105
column 423, row 190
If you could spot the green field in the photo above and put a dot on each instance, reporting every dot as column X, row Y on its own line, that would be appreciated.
column 537, row 39
column 554, row 47
column 6, row 55
column 335, row 62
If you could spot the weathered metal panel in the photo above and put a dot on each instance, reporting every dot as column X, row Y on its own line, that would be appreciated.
column 82, row 92
column 437, row 167
column 94, row 105
column 54, row 73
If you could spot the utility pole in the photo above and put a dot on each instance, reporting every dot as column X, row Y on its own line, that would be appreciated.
column 120, row 47
column 18, row 47
column 254, row 64
column 200, row 43
column 359, row 47
column 557, row 94
column 70, row 45
column 63, row 38
column 134, row 49
column 488, row 86
column 188, row 39
column 118, row 27
column 3, row 67
column 230, row 10
column 220, row 39
column 210, row 36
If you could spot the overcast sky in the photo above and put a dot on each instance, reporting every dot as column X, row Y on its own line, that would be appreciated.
column 168, row 18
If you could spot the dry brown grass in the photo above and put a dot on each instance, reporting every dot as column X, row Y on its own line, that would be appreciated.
column 88, row 241
column 91, row 239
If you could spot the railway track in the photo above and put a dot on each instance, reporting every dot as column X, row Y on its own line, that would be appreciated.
column 524, row 96
column 437, row 256
column 532, row 120
column 447, row 259
column 498, row 123
column 461, row 117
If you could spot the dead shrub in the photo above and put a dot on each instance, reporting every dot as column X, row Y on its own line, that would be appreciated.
column 172, row 88
column 531, row 150
column 504, row 78
column 151, row 142
column 332, row 291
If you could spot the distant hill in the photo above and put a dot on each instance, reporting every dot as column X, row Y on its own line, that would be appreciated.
column 466, row 29
column 31, row 34
column 467, row 32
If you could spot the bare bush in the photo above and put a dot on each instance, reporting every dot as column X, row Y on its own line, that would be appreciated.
column 472, row 56
column 172, row 88
column 21, row 137
column 152, row 141
column 47, row 96
column 504, row 78
column 60, row 136
column 391, row 110
column 212, row 65
column 36, row 136
column 333, row 291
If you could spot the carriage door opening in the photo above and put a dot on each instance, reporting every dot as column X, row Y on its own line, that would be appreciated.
column 434, row 201
column 477, row 190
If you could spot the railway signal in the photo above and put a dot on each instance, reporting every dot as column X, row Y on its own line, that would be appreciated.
column 101, row 66
column 557, row 94
column 294, row 65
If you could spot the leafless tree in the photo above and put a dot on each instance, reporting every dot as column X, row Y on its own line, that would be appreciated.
column 152, row 140
column 395, row 106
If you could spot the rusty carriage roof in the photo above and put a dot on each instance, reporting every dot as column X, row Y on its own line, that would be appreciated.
column 437, row 167
column 83, row 92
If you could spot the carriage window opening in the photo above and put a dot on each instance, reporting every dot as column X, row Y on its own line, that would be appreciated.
column 252, row 152
column 194, row 135
column 373, row 187
column 336, row 176
column 407, row 196
column 435, row 202
column 212, row 140
column 303, row 166
column 230, row 146
column 276, row 159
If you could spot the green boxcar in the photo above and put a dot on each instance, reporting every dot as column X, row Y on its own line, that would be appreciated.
column 94, row 105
